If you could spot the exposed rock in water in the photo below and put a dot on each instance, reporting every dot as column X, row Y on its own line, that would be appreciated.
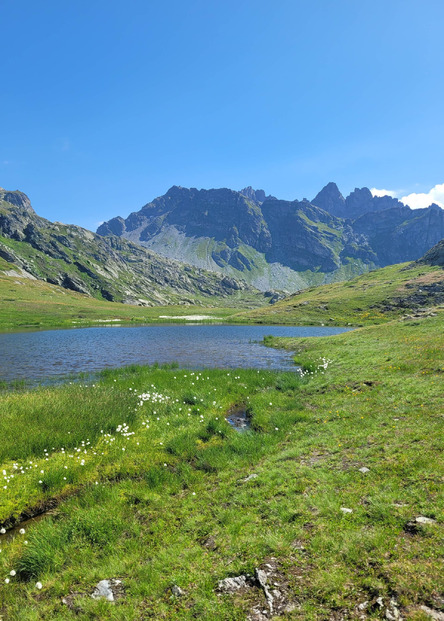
column 238, row 418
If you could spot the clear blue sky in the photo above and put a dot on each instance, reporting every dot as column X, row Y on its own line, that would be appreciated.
column 105, row 104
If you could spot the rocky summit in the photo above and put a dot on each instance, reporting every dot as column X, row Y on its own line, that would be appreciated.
column 110, row 268
column 435, row 256
column 280, row 244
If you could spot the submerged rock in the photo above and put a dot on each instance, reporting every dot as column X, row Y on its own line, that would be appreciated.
column 238, row 418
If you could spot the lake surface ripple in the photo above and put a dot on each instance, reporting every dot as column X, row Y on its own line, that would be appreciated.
column 58, row 353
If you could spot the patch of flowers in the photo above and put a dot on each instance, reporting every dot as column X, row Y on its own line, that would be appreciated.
column 321, row 367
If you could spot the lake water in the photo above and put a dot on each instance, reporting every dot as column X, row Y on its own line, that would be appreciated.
column 54, row 354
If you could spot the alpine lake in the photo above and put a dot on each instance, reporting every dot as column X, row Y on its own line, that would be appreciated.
column 52, row 355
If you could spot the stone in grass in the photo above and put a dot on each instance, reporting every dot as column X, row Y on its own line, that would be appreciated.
column 230, row 585
column 392, row 612
column 345, row 510
column 210, row 543
column 436, row 615
column 414, row 526
column 364, row 469
column 250, row 478
column 424, row 520
column 107, row 589
column 176, row 591
column 261, row 579
column 363, row 605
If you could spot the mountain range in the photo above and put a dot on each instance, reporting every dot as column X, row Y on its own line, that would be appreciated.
column 192, row 246
column 109, row 268
column 280, row 244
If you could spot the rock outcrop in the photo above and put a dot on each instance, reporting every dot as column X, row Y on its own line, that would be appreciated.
column 435, row 256
column 110, row 268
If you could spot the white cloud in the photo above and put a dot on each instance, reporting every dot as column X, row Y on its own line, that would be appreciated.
column 424, row 199
column 377, row 192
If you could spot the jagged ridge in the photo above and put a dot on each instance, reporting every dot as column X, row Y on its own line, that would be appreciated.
column 282, row 244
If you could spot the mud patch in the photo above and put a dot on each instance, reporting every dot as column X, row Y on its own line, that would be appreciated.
column 315, row 457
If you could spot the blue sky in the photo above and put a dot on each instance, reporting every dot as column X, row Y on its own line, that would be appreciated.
column 105, row 104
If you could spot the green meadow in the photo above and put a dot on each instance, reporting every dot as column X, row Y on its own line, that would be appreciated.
column 139, row 477
column 374, row 297
column 34, row 304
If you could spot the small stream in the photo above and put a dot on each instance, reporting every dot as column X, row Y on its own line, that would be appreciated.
column 17, row 529
column 238, row 418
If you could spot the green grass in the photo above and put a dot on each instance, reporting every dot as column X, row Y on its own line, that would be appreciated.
column 371, row 397
column 375, row 297
column 36, row 304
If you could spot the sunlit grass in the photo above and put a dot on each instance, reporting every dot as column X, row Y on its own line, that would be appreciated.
column 153, row 470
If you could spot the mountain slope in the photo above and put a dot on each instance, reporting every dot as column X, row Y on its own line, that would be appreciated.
column 108, row 268
column 275, row 244
column 375, row 297
column 271, row 244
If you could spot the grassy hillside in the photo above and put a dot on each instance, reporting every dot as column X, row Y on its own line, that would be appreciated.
column 159, row 491
column 375, row 297
column 34, row 303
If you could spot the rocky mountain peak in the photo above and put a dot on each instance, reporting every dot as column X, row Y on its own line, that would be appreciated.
column 358, row 202
column 257, row 196
column 176, row 191
column 330, row 199
column 17, row 198
column 360, row 194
